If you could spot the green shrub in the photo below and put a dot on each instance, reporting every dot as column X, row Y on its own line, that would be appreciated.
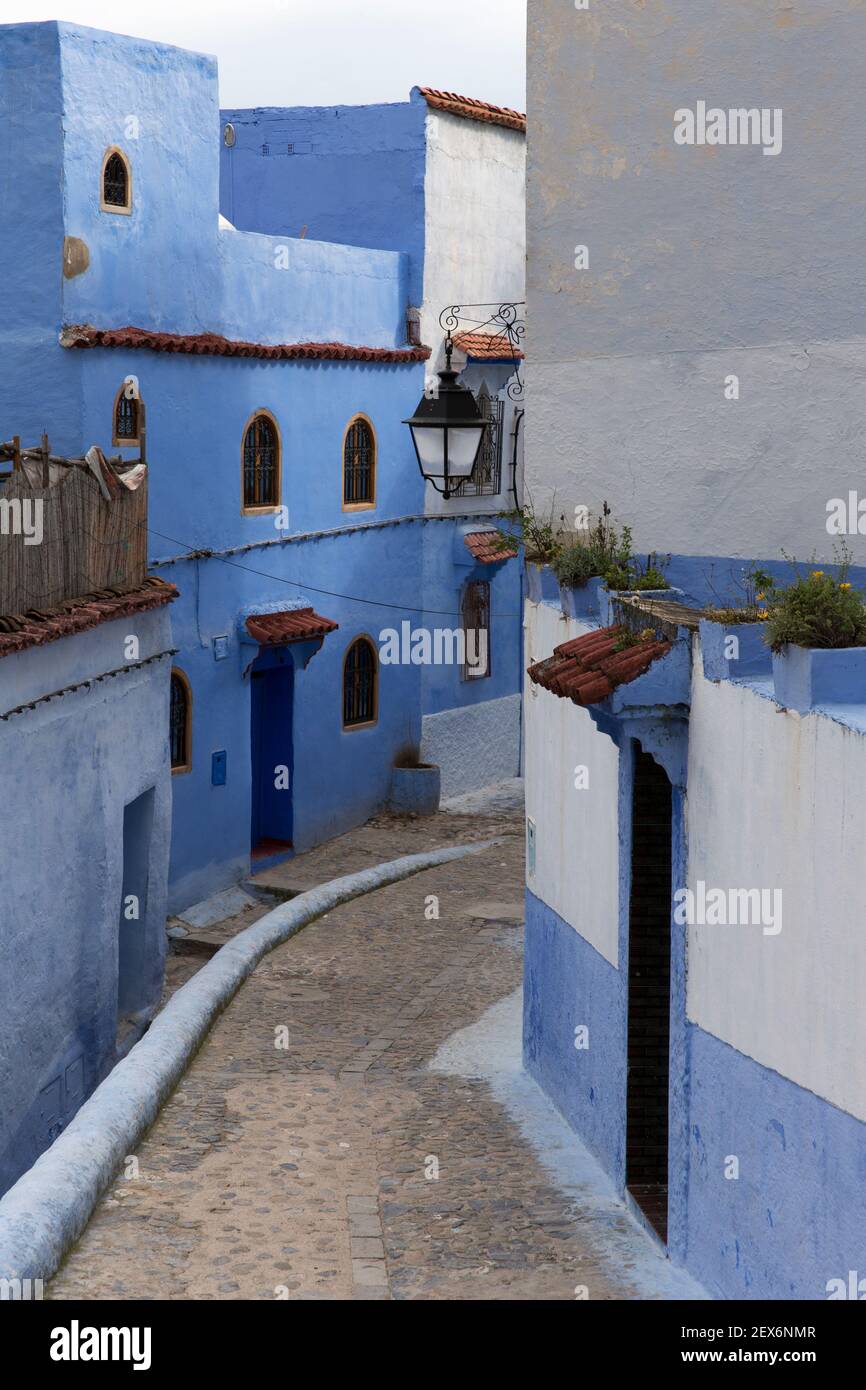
column 631, row 576
column 817, row 611
column 575, row 564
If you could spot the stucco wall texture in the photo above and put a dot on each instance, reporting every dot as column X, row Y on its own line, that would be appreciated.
column 66, row 779
column 704, row 261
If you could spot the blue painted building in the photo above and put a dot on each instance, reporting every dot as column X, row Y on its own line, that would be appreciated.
column 271, row 372
column 694, row 947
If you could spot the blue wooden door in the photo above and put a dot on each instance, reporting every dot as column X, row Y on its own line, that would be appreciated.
column 271, row 696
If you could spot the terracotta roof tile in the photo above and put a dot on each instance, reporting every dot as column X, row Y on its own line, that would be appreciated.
column 589, row 668
column 212, row 345
column 488, row 548
column 474, row 110
column 293, row 625
column 487, row 347
column 37, row 626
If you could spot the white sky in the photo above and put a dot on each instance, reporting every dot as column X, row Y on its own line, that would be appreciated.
column 325, row 52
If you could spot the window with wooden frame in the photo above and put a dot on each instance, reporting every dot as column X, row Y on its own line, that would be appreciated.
column 360, row 685
column 125, row 427
column 180, row 722
column 261, row 463
column 475, row 624
column 359, row 465
column 115, row 187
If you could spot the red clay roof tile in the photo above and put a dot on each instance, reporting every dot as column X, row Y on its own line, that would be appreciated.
column 212, row 345
column 487, row 547
column 487, row 347
column 588, row 669
column 293, row 625
column 35, row 627
column 474, row 110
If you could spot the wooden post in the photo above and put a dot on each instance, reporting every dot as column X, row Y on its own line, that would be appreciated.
column 46, row 469
column 16, row 452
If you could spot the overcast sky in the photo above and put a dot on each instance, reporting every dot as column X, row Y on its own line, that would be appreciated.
column 325, row 52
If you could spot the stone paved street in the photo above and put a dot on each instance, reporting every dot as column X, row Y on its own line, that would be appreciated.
column 341, row 1165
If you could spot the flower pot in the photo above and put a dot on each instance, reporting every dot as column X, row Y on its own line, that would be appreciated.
column 805, row 678
column 607, row 599
column 542, row 585
column 581, row 601
column 415, row 790
column 726, row 659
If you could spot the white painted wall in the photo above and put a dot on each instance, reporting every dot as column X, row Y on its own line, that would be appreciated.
column 475, row 241
column 576, row 835
column 795, row 1002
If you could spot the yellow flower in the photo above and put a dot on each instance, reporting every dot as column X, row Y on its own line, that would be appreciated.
column 760, row 597
column 844, row 586
column 817, row 574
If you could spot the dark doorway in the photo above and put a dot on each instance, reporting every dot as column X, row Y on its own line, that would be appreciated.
column 271, row 696
column 132, row 946
column 649, row 979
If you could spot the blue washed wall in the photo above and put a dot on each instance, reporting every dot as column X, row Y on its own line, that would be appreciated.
column 796, row 1216
column 61, row 861
column 356, row 176
column 568, row 983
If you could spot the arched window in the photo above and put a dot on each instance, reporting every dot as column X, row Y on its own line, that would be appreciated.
column 359, row 465
column 360, row 684
column 115, row 195
column 261, row 463
column 475, row 625
column 125, row 430
column 180, row 723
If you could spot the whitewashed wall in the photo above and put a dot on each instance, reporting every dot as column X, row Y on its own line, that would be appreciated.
column 577, row 846
column 795, row 1002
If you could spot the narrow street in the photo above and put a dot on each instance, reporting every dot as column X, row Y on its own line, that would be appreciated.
column 341, row 1164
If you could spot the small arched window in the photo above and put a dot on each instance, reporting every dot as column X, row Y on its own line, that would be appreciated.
column 475, row 626
column 360, row 684
column 359, row 465
column 115, row 195
column 180, row 723
column 261, row 463
column 125, row 430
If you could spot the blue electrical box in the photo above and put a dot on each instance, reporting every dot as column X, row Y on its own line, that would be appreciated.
column 218, row 768
column 220, row 648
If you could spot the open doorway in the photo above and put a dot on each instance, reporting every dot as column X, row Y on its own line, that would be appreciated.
column 649, row 977
column 271, row 711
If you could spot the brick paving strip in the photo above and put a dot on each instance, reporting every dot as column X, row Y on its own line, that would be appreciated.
column 309, row 1152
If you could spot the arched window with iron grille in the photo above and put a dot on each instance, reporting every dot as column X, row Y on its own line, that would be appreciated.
column 475, row 622
column 180, row 723
column 126, row 418
column 261, row 463
column 360, row 684
column 359, row 464
column 116, row 190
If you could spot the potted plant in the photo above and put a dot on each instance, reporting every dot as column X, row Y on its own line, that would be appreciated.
column 816, row 630
column 627, row 576
column 580, row 580
column 733, row 642
column 415, row 786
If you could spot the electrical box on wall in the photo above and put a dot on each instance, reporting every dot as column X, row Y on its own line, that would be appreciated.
column 218, row 768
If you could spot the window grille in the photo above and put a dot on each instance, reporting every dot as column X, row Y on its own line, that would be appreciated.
column 475, row 614
column 359, row 464
column 115, row 182
column 261, row 463
column 179, row 722
column 126, row 418
column 486, row 481
column 359, row 684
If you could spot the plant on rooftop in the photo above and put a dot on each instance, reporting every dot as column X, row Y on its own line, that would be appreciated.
column 593, row 553
column 538, row 535
column 818, row 610
column 757, row 589
column 636, row 577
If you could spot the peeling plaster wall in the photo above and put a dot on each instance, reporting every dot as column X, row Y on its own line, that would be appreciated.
column 61, row 866
column 704, row 261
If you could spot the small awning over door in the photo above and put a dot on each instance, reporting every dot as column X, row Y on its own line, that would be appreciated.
column 291, row 625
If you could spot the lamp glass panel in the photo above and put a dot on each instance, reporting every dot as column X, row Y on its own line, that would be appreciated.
column 430, row 443
column 463, row 442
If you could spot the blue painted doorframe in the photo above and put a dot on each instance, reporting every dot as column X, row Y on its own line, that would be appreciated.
column 272, row 685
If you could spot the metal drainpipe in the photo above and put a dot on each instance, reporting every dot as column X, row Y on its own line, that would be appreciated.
column 515, row 434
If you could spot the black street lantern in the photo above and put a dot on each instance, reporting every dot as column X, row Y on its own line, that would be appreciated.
column 447, row 430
